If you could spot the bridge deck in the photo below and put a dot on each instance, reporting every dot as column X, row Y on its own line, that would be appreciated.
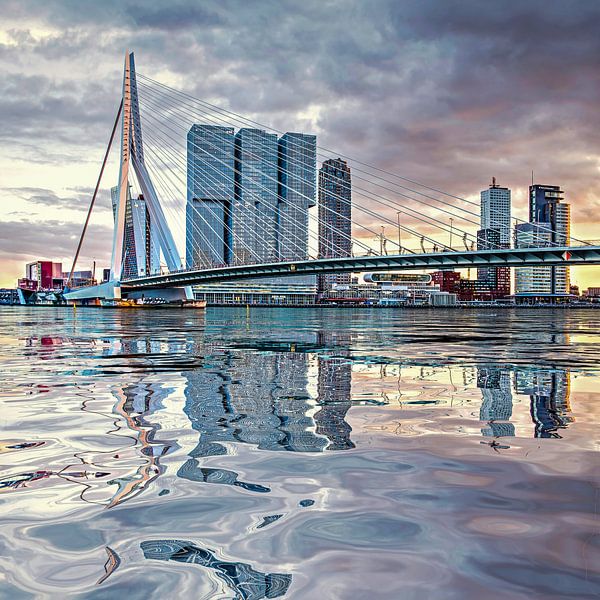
column 515, row 257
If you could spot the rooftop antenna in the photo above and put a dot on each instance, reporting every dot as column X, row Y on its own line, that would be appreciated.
column 531, row 176
column 493, row 182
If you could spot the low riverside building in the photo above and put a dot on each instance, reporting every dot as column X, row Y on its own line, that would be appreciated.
column 301, row 290
column 389, row 289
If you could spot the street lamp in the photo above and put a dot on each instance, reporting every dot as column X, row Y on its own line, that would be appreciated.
column 399, row 233
column 451, row 223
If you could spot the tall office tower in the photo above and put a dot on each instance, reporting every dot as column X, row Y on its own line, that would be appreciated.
column 254, row 214
column 141, row 254
column 496, row 278
column 335, row 217
column 297, row 193
column 210, row 195
column 495, row 211
column 549, row 226
column 496, row 407
column 495, row 233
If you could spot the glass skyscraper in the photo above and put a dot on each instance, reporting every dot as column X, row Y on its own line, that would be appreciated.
column 210, row 195
column 335, row 217
column 549, row 225
column 254, row 214
column 495, row 211
column 495, row 233
column 297, row 193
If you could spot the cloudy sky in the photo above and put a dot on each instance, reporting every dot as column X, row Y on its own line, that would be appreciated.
column 449, row 93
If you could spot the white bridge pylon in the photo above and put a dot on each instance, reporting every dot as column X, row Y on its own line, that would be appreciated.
column 132, row 156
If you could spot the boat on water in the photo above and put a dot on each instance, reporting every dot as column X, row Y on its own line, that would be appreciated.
column 150, row 303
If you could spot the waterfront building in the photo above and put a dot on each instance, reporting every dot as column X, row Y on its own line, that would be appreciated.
column 335, row 217
column 210, row 195
column 448, row 281
column 495, row 279
column 42, row 275
column 495, row 232
column 297, row 193
column 254, row 213
column 549, row 225
column 141, row 254
column 273, row 290
column 495, row 211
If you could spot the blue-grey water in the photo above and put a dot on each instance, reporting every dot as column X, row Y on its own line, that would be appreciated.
column 299, row 453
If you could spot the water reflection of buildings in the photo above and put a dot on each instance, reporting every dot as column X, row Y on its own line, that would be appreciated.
column 334, row 389
column 549, row 392
column 496, row 406
column 262, row 398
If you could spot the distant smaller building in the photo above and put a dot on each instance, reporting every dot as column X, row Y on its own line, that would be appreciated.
column 448, row 281
column 42, row 275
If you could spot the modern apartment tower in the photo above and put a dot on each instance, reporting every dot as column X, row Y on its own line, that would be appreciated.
column 495, row 233
column 335, row 217
column 297, row 193
column 549, row 225
column 254, row 215
column 210, row 195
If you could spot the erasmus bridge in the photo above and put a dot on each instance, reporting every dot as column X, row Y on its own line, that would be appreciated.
column 154, row 119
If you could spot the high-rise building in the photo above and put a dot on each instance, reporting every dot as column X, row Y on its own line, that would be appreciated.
column 254, row 213
column 496, row 279
column 297, row 193
column 335, row 217
column 141, row 255
column 549, row 225
column 210, row 195
column 495, row 211
column 495, row 233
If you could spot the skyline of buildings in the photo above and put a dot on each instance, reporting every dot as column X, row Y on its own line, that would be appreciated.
column 248, row 195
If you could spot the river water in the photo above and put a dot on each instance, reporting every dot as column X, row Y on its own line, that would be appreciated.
column 299, row 453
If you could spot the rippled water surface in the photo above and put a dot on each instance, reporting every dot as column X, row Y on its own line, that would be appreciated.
column 299, row 453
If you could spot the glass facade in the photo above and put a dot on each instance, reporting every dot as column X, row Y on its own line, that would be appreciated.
column 210, row 195
column 549, row 226
column 256, row 197
column 495, row 212
column 297, row 193
column 335, row 217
